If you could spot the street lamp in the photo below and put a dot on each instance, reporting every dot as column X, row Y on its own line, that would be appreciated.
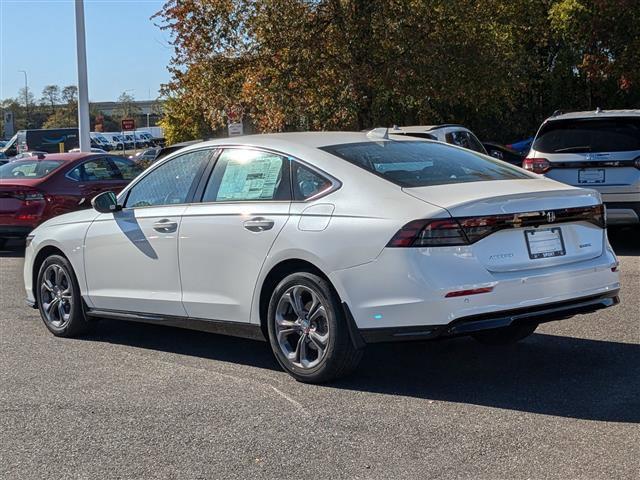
column 26, row 94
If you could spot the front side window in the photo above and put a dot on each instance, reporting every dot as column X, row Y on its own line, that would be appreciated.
column 421, row 164
column 170, row 183
column 307, row 183
column 248, row 175
column 29, row 168
column 97, row 170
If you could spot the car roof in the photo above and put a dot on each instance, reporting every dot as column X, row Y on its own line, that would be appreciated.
column 301, row 139
column 595, row 114
column 64, row 157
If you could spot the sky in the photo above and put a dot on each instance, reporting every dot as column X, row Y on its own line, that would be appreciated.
column 125, row 50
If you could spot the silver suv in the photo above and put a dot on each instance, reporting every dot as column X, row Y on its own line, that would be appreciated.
column 599, row 150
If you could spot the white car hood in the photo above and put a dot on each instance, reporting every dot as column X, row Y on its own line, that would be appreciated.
column 504, row 196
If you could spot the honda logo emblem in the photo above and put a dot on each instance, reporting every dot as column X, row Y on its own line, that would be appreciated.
column 551, row 217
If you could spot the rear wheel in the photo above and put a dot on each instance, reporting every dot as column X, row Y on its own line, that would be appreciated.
column 506, row 335
column 308, row 331
column 59, row 299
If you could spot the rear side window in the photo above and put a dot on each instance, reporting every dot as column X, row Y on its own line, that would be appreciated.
column 465, row 139
column 421, row 164
column 307, row 183
column 170, row 183
column 29, row 168
column 242, row 175
column 589, row 135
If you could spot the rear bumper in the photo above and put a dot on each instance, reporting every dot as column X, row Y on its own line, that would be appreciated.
column 477, row 323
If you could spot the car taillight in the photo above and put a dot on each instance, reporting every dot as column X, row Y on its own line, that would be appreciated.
column 636, row 163
column 536, row 165
column 429, row 233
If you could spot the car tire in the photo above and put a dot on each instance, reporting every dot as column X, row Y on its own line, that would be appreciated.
column 308, row 331
column 59, row 299
column 505, row 336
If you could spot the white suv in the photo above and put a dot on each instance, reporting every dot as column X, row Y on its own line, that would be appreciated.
column 598, row 149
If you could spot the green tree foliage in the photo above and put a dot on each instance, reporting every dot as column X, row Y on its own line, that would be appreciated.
column 498, row 66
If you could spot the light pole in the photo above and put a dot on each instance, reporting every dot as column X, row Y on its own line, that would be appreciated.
column 26, row 95
column 83, row 89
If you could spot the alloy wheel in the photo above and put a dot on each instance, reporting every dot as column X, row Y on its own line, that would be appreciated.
column 56, row 296
column 302, row 327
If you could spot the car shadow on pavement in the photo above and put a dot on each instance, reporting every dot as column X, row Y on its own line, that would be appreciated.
column 625, row 240
column 545, row 374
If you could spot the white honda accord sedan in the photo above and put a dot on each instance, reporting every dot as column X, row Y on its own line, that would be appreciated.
column 323, row 242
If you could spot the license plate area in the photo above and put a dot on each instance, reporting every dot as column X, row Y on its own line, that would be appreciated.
column 545, row 243
column 591, row 175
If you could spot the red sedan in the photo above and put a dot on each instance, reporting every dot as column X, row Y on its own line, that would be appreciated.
column 38, row 188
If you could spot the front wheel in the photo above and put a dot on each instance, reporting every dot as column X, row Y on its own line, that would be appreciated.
column 506, row 335
column 308, row 330
column 59, row 299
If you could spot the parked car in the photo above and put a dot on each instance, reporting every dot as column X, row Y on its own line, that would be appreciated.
column 448, row 133
column 504, row 153
column 145, row 157
column 35, row 189
column 323, row 242
column 169, row 149
column 597, row 149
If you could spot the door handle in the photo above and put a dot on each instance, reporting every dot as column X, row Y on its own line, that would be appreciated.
column 258, row 224
column 165, row 226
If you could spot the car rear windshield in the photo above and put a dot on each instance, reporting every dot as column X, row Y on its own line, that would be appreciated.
column 421, row 164
column 29, row 168
column 589, row 135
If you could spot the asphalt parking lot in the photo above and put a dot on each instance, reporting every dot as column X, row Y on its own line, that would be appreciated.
column 141, row 401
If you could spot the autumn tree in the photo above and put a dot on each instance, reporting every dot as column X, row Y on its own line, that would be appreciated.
column 498, row 66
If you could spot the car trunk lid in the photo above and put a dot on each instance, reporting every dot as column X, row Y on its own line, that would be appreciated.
column 522, row 224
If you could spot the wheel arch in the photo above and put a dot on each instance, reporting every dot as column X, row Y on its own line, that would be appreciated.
column 275, row 275
column 39, row 259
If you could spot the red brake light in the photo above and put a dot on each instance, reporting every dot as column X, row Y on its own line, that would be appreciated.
column 536, row 165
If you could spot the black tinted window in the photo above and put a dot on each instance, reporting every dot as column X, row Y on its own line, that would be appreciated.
column 589, row 135
column 242, row 175
column 170, row 183
column 306, row 182
column 420, row 164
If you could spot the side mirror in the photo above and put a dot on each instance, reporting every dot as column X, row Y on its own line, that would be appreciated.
column 106, row 202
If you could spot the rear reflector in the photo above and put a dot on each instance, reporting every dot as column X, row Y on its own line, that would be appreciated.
column 464, row 293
